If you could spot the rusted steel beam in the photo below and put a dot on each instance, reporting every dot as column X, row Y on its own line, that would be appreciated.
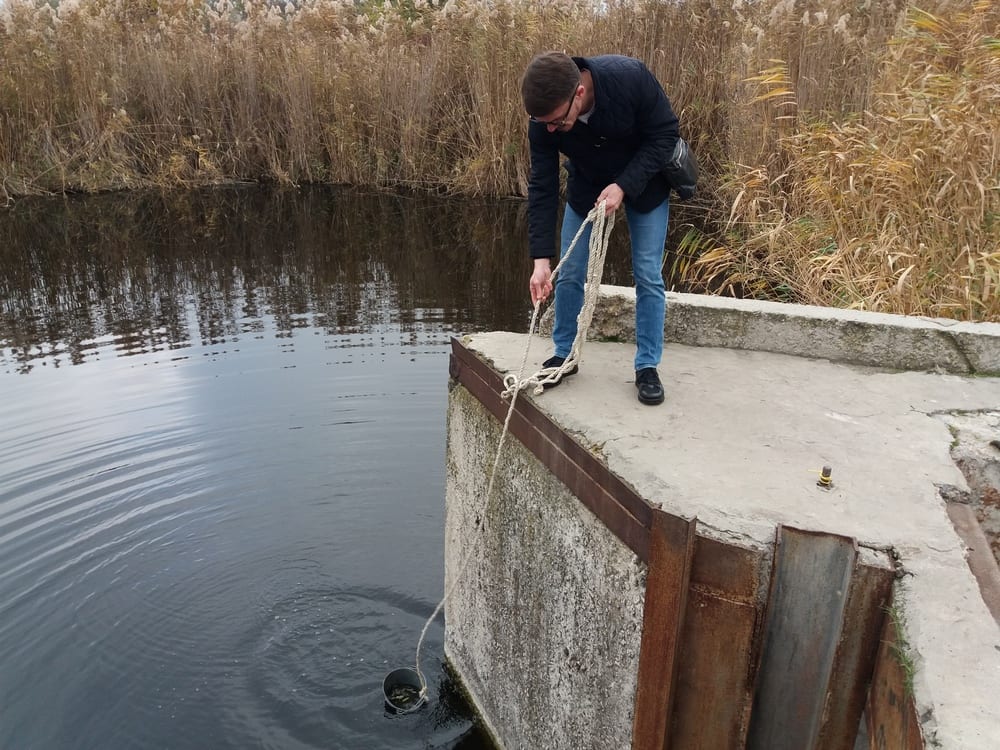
column 617, row 505
column 809, row 584
column 891, row 713
column 869, row 594
column 721, row 642
column 671, row 550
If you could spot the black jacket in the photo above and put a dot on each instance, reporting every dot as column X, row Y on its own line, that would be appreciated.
column 628, row 139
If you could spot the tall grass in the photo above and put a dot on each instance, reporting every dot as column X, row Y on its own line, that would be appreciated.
column 847, row 148
column 895, row 207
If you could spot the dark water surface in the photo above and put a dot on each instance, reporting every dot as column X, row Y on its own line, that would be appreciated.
column 222, row 462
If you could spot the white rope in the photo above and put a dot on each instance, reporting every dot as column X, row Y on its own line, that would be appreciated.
column 601, row 232
column 603, row 225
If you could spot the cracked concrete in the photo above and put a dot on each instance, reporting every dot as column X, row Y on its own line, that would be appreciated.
column 744, row 432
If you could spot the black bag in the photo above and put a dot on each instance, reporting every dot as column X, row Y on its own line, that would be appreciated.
column 681, row 171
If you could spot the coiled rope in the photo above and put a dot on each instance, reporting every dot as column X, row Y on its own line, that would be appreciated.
column 601, row 232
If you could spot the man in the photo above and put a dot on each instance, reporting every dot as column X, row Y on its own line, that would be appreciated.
column 611, row 118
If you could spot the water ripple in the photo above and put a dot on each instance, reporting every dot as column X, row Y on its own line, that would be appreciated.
column 221, row 470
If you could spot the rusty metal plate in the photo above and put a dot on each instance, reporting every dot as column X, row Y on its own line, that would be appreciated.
column 891, row 714
column 728, row 569
column 714, row 683
column 809, row 586
column 670, row 560
column 720, row 647
column 864, row 613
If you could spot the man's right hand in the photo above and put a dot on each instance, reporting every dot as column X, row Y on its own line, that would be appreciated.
column 541, row 281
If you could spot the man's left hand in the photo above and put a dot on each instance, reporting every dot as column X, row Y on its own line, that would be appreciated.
column 613, row 195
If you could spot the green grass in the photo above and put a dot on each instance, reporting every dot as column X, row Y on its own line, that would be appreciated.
column 901, row 649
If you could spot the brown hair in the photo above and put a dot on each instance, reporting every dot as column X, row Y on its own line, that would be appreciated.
column 550, row 79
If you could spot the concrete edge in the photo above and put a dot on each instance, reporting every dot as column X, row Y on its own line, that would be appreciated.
column 896, row 342
column 472, row 700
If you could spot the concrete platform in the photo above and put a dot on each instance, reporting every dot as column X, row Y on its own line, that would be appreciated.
column 743, row 433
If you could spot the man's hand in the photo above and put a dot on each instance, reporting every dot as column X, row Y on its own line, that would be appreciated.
column 614, row 196
column 541, row 281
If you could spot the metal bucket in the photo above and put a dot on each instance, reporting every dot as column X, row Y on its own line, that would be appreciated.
column 404, row 691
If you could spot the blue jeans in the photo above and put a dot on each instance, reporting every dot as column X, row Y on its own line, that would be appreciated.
column 648, row 234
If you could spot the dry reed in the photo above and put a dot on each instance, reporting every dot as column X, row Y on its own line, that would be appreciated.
column 849, row 150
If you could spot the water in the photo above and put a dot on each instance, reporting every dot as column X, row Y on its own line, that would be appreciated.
column 222, row 462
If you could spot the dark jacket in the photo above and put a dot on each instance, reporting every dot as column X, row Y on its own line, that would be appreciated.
column 628, row 139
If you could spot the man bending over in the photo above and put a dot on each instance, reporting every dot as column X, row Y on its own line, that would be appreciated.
column 611, row 118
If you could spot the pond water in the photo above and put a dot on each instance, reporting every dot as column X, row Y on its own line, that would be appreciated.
column 222, row 461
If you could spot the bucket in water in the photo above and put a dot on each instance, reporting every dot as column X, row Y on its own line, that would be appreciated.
column 403, row 690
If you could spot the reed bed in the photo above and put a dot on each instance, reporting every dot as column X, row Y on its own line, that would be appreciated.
column 849, row 149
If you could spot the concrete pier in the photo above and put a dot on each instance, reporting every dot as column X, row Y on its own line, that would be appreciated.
column 674, row 576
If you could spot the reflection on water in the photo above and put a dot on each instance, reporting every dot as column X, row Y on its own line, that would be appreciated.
column 223, row 526
column 82, row 278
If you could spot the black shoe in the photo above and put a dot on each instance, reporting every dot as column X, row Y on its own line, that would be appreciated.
column 647, row 380
column 558, row 362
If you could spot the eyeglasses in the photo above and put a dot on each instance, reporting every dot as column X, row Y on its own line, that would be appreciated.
column 559, row 122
